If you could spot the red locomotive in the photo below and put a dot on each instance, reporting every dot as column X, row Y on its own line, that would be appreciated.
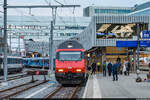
column 70, row 67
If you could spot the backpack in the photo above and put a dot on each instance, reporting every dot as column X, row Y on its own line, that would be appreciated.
column 104, row 65
column 128, row 65
column 115, row 67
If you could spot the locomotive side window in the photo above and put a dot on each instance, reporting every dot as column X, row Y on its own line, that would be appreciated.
column 70, row 56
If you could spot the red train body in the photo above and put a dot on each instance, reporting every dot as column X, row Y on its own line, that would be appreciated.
column 70, row 67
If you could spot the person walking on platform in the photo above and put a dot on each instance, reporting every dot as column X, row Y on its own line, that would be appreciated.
column 98, row 66
column 118, row 66
column 149, row 67
column 128, row 68
column 109, row 67
column 124, row 68
column 115, row 71
column 104, row 68
column 93, row 67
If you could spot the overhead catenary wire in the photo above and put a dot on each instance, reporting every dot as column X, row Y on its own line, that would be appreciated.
column 54, row 10
column 28, row 14
column 58, row 2
column 1, row 12
column 61, row 19
column 74, row 17
column 46, row 1
column 5, row 31
column 32, row 17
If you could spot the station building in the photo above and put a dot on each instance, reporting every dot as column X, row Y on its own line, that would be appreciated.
column 111, row 24
column 141, row 9
column 97, row 10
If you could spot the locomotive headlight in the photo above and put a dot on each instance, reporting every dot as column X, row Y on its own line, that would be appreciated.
column 69, row 46
column 60, row 70
column 78, row 70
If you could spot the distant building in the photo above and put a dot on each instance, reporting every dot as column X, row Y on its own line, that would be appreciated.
column 16, row 46
column 41, row 47
column 98, row 10
column 142, row 9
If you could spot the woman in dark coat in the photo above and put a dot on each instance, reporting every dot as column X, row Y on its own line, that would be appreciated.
column 93, row 67
column 115, row 71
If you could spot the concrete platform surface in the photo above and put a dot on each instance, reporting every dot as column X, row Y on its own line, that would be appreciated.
column 126, row 87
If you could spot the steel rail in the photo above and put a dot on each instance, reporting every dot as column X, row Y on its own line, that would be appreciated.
column 5, row 94
column 74, row 92
column 15, row 77
column 54, row 92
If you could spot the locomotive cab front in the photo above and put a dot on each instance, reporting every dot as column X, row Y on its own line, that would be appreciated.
column 70, row 65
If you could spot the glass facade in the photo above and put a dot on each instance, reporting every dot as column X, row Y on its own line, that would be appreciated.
column 141, row 13
column 112, row 11
column 142, row 6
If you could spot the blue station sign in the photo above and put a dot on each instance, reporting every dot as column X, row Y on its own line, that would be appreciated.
column 146, row 34
column 143, row 43
column 100, row 33
column 126, row 43
column 105, row 34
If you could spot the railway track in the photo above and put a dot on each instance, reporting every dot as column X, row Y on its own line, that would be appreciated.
column 15, row 77
column 8, row 93
column 63, row 92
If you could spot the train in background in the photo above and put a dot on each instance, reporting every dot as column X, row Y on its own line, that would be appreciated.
column 37, row 62
column 70, row 65
column 14, row 64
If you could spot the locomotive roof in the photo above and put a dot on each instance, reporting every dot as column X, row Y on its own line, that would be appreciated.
column 10, row 57
column 37, row 58
column 72, row 43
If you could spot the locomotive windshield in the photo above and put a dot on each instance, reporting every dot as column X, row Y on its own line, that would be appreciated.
column 70, row 55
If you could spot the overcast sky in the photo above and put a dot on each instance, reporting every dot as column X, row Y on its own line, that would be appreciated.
column 66, row 11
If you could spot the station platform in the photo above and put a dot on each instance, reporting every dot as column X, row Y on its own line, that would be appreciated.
column 126, row 87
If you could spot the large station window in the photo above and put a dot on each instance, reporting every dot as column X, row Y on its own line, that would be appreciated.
column 113, row 11
column 120, row 31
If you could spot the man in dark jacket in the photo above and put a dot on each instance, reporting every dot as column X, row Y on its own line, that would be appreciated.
column 93, row 67
column 115, row 71
column 149, row 67
column 104, row 68
column 128, row 68
column 109, row 67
